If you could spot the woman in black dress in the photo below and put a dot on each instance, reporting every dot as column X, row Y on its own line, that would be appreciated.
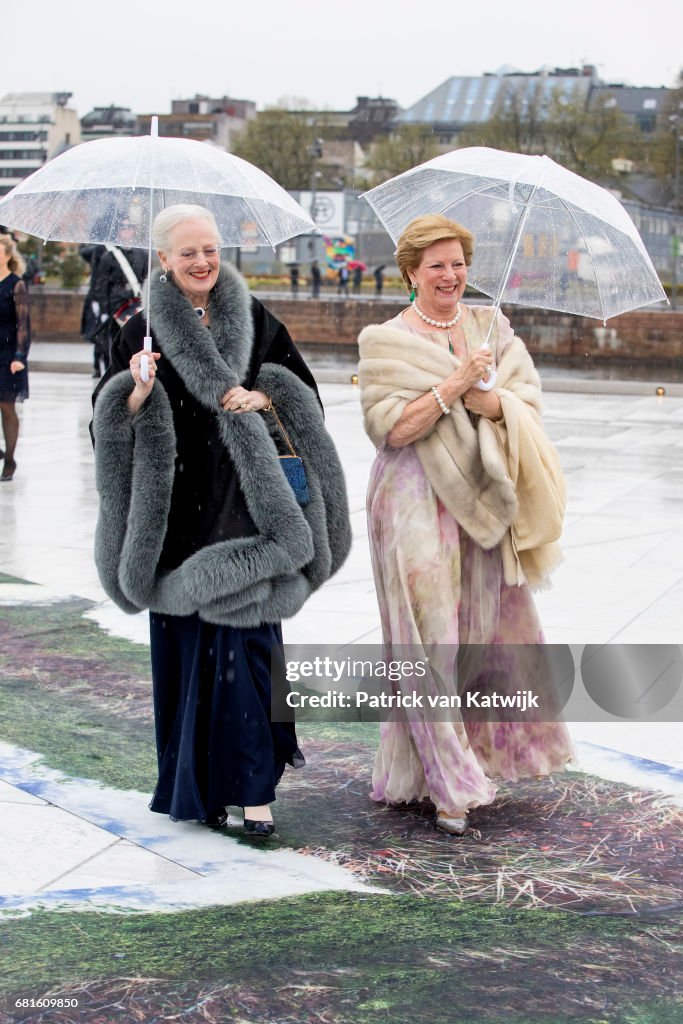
column 14, row 342
column 199, row 524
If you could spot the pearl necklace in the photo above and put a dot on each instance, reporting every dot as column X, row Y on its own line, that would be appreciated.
column 439, row 323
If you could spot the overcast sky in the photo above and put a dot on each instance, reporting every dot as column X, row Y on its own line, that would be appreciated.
column 143, row 53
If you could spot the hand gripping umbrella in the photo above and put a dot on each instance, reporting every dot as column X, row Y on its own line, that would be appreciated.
column 110, row 190
column 545, row 236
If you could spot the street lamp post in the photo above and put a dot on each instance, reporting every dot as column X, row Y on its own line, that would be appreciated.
column 315, row 175
column 316, row 151
column 359, row 233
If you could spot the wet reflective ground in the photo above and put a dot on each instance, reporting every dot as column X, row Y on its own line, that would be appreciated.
column 621, row 582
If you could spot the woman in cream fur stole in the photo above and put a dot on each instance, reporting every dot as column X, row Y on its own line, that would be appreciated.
column 465, row 507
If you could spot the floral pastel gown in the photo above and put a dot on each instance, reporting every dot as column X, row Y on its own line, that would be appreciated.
column 437, row 587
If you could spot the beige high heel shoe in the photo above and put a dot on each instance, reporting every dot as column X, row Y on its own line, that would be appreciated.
column 454, row 826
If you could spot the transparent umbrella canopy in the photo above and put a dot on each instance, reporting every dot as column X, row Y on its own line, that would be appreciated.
column 110, row 190
column 544, row 236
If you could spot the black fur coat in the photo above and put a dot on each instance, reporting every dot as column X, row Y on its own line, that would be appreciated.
column 195, row 512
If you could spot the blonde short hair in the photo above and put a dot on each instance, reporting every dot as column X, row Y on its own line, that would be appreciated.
column 170, row 217
column 16, row 260
column 425, row 231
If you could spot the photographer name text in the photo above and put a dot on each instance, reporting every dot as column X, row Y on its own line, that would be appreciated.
column 519, row 701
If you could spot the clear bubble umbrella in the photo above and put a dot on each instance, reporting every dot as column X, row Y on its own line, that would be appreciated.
column 110, row 190
column 545, row 236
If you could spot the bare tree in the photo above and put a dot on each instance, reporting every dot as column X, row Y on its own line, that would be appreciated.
column 587, row 140
column 282, row 144
column 662, row 152
column 583, row 139
column 517, row 124
column 392, row 154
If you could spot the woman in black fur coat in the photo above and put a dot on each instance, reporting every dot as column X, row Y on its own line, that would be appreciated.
column 199, row 524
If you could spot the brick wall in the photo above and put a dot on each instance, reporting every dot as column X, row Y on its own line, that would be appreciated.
column 55, row 316
column 653, row 337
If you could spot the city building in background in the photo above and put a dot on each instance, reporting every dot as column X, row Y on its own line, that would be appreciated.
column 371, row 116
column 345, row 136
column 108, row 122
column 344, row 159
column 644, row 107
column 462, row 102
column 34, row 127
column 205, row 119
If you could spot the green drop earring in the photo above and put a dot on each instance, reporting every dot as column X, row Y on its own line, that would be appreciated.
column 412, row 293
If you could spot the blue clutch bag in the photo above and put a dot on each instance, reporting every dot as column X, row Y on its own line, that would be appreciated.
column 293, row 467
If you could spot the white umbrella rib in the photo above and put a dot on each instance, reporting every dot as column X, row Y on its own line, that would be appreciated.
column 257, row 217
column 61, row 208
column 583, row 237
column 490, row 184
column 134, row 186
column 259, row 221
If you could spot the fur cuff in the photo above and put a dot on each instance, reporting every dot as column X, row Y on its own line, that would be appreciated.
column 240, row 582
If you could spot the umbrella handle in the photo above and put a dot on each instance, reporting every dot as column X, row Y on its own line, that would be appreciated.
column 487, row 385
column 490, row 382
column 144, row 361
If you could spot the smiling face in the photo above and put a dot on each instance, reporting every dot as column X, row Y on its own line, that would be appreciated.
column 441, row 277
column 194, row 258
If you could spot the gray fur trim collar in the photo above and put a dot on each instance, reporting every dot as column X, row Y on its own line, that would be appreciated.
column 210, row 362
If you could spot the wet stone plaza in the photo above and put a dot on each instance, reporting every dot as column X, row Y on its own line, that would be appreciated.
column 76, row 733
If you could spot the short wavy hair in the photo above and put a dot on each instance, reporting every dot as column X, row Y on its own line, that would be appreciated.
column 425, row 231
column 171, row 216
column 16, row 260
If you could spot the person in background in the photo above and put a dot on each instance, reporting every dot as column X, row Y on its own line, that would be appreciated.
column 15, row 338
column 294, row 279
column 90, row 317
column 119, row 276
column 316, row 280
column 379, row 279
column 32, row 270
column 357, row 279
column 343, row 286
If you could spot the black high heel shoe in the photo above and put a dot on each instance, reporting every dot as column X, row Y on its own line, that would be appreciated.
column 258, row 829
column 8, row 470
column 218, row 819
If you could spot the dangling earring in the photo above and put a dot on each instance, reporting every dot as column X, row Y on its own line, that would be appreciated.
column 163, row 277
column 413, row 292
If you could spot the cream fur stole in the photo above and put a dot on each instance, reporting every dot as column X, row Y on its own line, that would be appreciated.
column 501, row 481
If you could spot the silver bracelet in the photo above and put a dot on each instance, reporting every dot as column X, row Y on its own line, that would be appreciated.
column 442, row 405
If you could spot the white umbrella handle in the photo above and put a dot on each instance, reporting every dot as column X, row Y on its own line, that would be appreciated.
column 490, row 382
column 487, row 385
column 144, row 361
